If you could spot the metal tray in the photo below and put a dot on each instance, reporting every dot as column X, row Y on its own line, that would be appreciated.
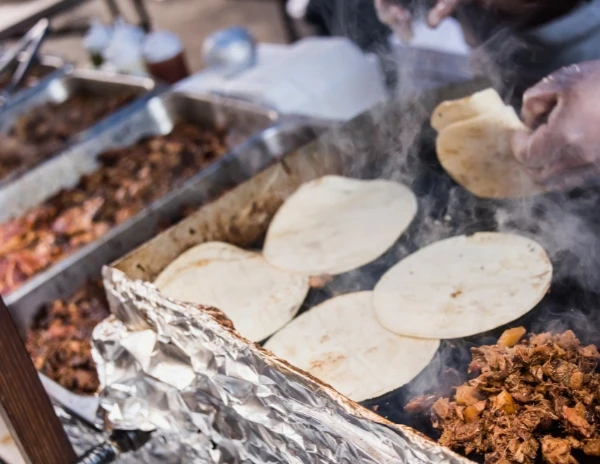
column 53, row 66
column 60, row 87
column 62, row 280
column 369, row 147
column 152, row 117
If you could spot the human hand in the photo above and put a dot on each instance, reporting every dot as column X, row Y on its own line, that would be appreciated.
column 561, row 147
column 529, row 11
column 396, row 17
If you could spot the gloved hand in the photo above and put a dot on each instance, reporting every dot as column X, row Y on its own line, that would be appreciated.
column 525, row 11
column 561, row 147
column 396, row 17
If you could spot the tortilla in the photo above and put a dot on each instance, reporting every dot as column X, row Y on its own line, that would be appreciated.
column 477, row 154
column 257, row 297
column 452, row 111
column 335, row 224
column 463, row 286
column 341, row 343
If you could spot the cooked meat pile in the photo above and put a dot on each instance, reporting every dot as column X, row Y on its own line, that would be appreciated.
column 541, row 395
column 59, row 339
column 45, row 129
column 128, row 180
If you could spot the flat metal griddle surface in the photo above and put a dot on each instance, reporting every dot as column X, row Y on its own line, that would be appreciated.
column 396, row 142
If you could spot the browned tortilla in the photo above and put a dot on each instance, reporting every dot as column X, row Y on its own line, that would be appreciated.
column 477, row 154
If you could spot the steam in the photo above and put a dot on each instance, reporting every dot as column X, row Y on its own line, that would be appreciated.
column 397, row 143
column 566, row 224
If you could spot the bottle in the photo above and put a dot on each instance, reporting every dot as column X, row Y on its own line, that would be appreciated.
column 164, row 56
column 124, row 52
column 96, row 40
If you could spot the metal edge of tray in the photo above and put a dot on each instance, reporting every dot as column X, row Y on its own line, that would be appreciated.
column 250, row 201
column 242, row 215
column 144, row 117
column 52, row 62
column 39, row 94
column 58, row 83
column 63, row 279
column 248, row 123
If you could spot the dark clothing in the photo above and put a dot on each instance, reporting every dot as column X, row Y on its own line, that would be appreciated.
column 534, row 52
column 516, row 57
column 355, row 19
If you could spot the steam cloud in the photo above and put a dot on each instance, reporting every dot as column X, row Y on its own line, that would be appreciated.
column 566, row 224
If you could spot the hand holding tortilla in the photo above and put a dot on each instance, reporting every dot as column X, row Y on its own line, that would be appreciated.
column 336, row 224
column 561, row 145
column 474, row 146
column 257, row 297
column 341, row 343
column 463, row 286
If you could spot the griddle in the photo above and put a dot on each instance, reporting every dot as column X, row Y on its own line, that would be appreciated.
column 395, row 141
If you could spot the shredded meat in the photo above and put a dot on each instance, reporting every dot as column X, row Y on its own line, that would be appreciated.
column 520, row 395
column 128, row 180
column 59, row 339
column 45, row 130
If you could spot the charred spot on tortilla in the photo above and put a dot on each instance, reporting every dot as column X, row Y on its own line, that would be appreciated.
column 498, row 277
column 344, row 345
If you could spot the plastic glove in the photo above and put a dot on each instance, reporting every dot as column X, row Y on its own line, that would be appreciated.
column 561, row 147
column 523, row 12
column 396, row 17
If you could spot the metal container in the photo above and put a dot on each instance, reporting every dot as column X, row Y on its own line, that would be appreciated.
column 287, row 414
column 242, row 216
column 50, row 65
column 427, row 69
column 152, row 117
column 58, row 88
column 277, row 413
column 253, row 148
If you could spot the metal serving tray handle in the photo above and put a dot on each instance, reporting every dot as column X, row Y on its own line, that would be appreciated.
column 56, row 67
column 61, row 87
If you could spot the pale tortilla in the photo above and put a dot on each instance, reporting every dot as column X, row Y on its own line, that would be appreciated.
column 341, row 343
column 463, row 286
column 335, row 224
column 257, row 297
column 452, row 111
column 477, row 154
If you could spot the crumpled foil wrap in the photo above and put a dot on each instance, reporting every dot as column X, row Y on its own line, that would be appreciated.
column 211, row 395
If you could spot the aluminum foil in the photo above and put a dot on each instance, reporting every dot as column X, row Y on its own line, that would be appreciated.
column 183, row 371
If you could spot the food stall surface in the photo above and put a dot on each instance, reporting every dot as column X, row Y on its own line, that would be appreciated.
column 291, row 402
column 15, row 16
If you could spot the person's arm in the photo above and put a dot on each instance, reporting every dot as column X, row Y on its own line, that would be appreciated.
column 561, row 147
